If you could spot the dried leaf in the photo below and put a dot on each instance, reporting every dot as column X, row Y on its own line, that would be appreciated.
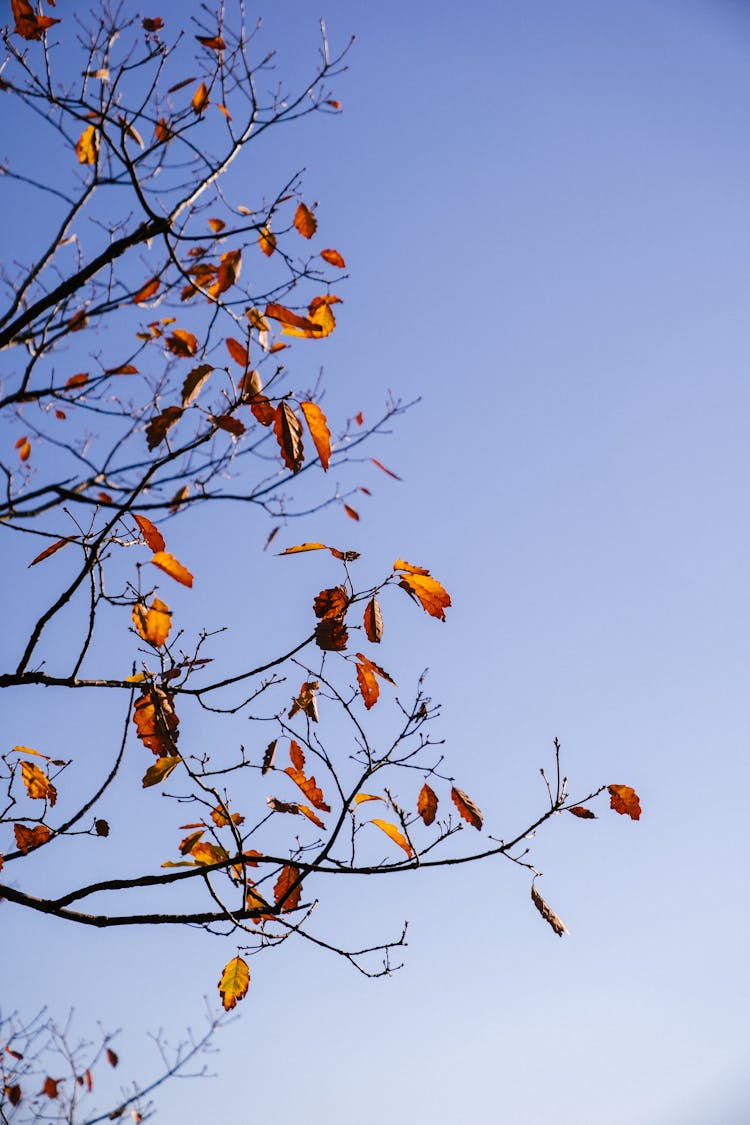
column 285, row 893
column 152, row 537
column 288, row 430
column 466, row 808
column 123, row 369
column 214, row 43
column 14, row 1093
column 373, row 621
column 296, row 755
column 318, row 427
column 228, row 423
column 160, row 770
column 333, row 258
column 309, row 787
column 194, row 383
column 382, row 467
column 112, row 1058
column 155, row 24
column 304, row 547
column 153, row 624
column 50, row 1087
column 228, row 272
column 267, row 241
column 101, row 827
column 306, row 701
column 331, row 603
column 183, row 344
column 187, row 845
column 395, row 835
column 352, row 513
column 427, row 804
column 78, row 380
column 23, row 445
column 624, row 800
column 262, row 410
column 331, row 635
column 86, row 146
column 238, row 351
column 178, row 499
column 45, row 554
column 549, row 915
column 147, row 291
column 156, row 721
column 234, row 983
column 216, row 225
column 207, row 854
column 159, row 426
column 275, row 805
column 38, row 785
column 417, row 582
column 305, row 221
column 28, row 838
column 169, row 564
column 221, row 820
column 200, row 99
column 311, row 815
column 268, row 756
column 583, row 813
column 29, row 25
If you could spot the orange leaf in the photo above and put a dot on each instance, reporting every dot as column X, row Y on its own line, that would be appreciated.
column 267, row 241
column 304, row 547
column 237, row 351
column 262, row 410
column 193, row 384
column 296, row 755
column 234, row 982
column 330, row 603
column 288, row 432
column 401, row 565
column 23, row 445
column 624, row 800
column 216, row 225
column 169, row 564
column 583, row 813
column 373, row 621
column 395, row 835
column 156, row 722
column 187, row 845
column 221, row 820
column 38, row 785
column 367, row 671
column 45, row 554
column 288, row 319
column 146, row 292
column 13, row 1092
column 285, row 891
column 331, row 635
column 309, row 787
column 206, row 854
column 224, row 110
column 123, row 369
column 182, row 343
column 547, row 913
column 153, row 624
column 151, row 535
column 28, row 24
column 351, row 512
column 360, row 797
column 229, row 423
column 28, row 838
column 466, row 807
column 159, row 426
column 200, row 98
column 318, row 427
column 433, row 597
column 77, row 380
column 310, row 815
column 427, row 804
column 50, row 1087
column 86, row 146
column 214, row 43
column 160, row 770
column 228, row 272
column 305, row 221
column 333, row 258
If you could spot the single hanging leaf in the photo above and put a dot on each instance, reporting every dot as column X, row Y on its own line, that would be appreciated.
column 549, row 915
column 147, row 291
column 624, row 800
column 288, row 319
column 200, row 99
column 229, row 271
column 267, row 241
column 234, row 983
column 296, row 755
column 373, row 621
column 433, row 597
column 28, row 838
column 333, row 258
column 153, row 624
column 169, row 564
column 156, row 721
column 311, row 816
column 288, row 432
column 318, row 427
column 216, row 225
column 397, row 837
column 351, row 512
column 304, row 547
column 383, row 469
column 160, row 770
column 268, row 756
column 360, row 797
column 228, row 423
column 38, row 785
column 305, row 221
column 331, row 603
column 331, row 634
column 159, row 426
column 282, row 888
column 583, row 813
column 178, row 499
column 50, row 1087
column 101, row 827
column 45, row 554
column 306, row 701
column 182, row 343
column 214, row 43
column 112, row 1058
column 155, row 24
column 466, row 807
column 309, row 787
column 237, row 351
column 427, row 804
column 14, row 1094
column 28, row 24
column 86, row 146
column 152, row 537
column 194, row 382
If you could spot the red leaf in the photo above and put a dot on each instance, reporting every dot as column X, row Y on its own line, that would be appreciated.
column 45, row 554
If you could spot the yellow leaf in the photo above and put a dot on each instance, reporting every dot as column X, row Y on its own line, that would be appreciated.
column 208, row 853
column 169, row 564
column 433, row 597
column 160, row 770
column 283, row 887
column 304, row 547
column 360, row 797
column 86, row 146
column 200, row 98
column 267, row 241
column 318, row 427
column 153, row 624
column 234, row 983
column 395, row 835
column 38, row 785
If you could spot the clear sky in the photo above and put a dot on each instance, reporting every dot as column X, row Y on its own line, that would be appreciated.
column 544, row 211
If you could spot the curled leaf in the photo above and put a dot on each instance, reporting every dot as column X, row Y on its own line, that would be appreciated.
column 395, row 835
column 624, row 800
column 547, row 913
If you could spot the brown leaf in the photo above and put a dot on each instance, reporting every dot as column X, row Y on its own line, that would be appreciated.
column 624, row 800
column 169, row 564
column 200, row 99
column 156, row 721
column 194, row 383
column 38, row 785
column 101, row 827
column 549, row 915
column 583, row 813
column 237, row 351
column 179, row 498
column 123, row 369
column 296, row 755
column 268, row 756
column 28, row 24
column 183, row 344
column 318, row 427
column 161, row 424
column 160, row 770
column 331, row 635
column 382, row 467
column 153, row 624
column 214, row 43
column 311, row 815
column 147, row 291
column 305, row 221
column 14, row 1094
column 78, row 380
column 50, row 1087
column 229, row 423
column 155, row 24
column 45, row 554
column 284, row 891
column 152, row 537
column 262, row 410
column 228, row 272
column 466, row 807
column 28, row 838
column 395, row 835
column 112, row 1058
column 221, row 820
column 288, row 432
column 309, row 787
column 288, row 319
column 234, row 983
column 331, row 603
column 333, row 258
column 267, row 241
column 373, row 621
column 427, row 804
column 162, row 132
column 275, row 805
column 306, row 701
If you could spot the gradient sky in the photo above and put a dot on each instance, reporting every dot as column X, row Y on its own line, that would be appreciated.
column 544, row 211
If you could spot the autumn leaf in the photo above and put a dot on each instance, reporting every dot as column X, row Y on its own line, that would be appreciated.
column 418, row 582
column 147, row 291
column 234, row 983
column 152, row 537
column 395, row 835
column 194, row 383
column 78, row 380
column 228, row 423
column 331, row 635
column 200, row 99
column 359, row 798
column 466, row 807
column 383, row 469
column 112, row 1058
column 23, row 445
column 333, row 258
column 160, row 770
column 309, row 787
column 262, row 410
column 288, row 430
column 296, row 755
column 427, row 804
column 318, row 427
column 275, row 805
column 178, row 499
column 267, row 241
column 38, row 785
column 122, row 369
column 51, row 550
column 160, row 425
column 330, row 603
column 183, row 344
column 268, row 756
column 304, row 547
column 28, row 24
column 214, row 43
column 101, row 827
column 206, row 854
column 50, row 1087
column 367, row 673
column 28, row 838
column 153, row 624
column 169, row 564
column 351, row 512
column 305, row 221
column 216, row 225
column 547, row 913
column 311, row 816
column 284, row 890
column 288, row 319
column 156, row 721
column 14, row 1094
column 583, row 813
column 228, row 272
column 155, row 24
column 221, row 820
column 86, row 146
column 373, row 621
column 624, row 800
column 237, row 351
column 306, row 701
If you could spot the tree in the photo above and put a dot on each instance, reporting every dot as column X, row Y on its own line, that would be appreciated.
column 187, row 402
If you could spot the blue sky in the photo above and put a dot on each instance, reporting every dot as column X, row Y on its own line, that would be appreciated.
column 544, row 213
